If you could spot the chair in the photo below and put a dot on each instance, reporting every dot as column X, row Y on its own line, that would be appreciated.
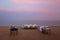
column 13, row 30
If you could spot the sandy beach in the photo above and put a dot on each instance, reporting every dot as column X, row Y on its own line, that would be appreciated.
column 30, row 34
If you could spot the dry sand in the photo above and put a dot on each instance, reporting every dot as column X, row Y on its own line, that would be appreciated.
column 30, row 34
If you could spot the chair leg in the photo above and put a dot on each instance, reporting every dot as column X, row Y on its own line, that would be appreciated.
column 10, row 33
column 17, row 32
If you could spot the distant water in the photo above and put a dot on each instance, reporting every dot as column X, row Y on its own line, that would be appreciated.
column 4, row 23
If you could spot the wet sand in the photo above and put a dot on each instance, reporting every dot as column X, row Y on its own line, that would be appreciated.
column 29, row 34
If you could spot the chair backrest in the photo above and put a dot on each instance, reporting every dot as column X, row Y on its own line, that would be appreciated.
column 13, row 28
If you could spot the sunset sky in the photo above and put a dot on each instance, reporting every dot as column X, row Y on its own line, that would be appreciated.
column 29, row 10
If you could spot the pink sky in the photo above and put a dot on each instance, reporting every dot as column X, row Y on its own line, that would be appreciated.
column 26, row 8
column 36, row 6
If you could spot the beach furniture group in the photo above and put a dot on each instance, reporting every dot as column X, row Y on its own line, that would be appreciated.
column 30, row 26
column 43, row 29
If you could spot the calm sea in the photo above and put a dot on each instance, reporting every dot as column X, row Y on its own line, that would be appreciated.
column 4, row 23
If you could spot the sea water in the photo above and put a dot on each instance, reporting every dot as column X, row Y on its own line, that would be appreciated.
column 20, row 22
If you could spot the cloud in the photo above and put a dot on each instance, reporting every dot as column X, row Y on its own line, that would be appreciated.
column 36, row 2
column 36, row 10
column 28, row 5
column 52, row 4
